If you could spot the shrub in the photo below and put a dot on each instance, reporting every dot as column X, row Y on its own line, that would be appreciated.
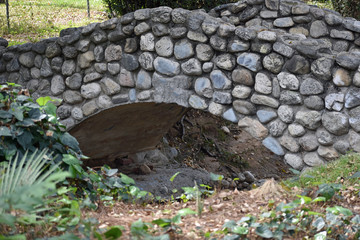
column 27, row 126
column 348, row 8
column 120, row 7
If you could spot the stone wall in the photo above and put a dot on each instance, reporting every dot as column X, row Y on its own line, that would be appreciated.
column 286, row 72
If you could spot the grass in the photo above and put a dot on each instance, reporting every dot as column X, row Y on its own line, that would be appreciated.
column 31, row 21
column 337, row 171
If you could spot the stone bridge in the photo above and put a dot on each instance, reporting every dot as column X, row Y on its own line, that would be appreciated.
column 286, row 72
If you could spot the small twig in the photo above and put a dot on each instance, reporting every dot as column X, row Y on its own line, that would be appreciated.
column 183, row 127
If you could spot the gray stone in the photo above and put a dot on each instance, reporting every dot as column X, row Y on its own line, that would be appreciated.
column 109, row 86
column 264, row 48
column 146, row 61
column 273, row 145
column 286, row 113
column 311, row 87
column 72, row 97
column 346, row 35
column 241, row 92
column 348, row 60
column 250, row 60
column 328, row 153
column 309, row 142
column 68, row 68
column 87, row 30
column 183, row 49
column 35, row 73
column 341, row 46
column 141, row 28
column 272, row 4
column 207, row 67
column 342, row 146
column 129, row 62
column 334, row 101
column 245, row 34
column 179, row 81
column 89, row 108
column 98, row 36
column 312, row 159
column 93, row 76
column 225, row 30
column 238, row 46
column 191, row 67
column 336, row 123
column 356, row 79
column 85, row 59
column 38, row 61
column 143, row 80
column 267, row 36
column 217, row 109
column 27, row 59
column 263, row 84
column 142, row 14
column 225, row 61
column 288, row 81
column 197, row 36
column 249, row 14
column 244, row 107
column 352, row 25
column 172, row 95
column 178, row 32
column 300, row 9
column 56, row 64
column 120, row 98
column 119, row 33
column 164, row 47
column 266, row 116
column 318, row 29
column 354, row 140
column 74, row 82
column 264, row 100
column 268, row 14
column 324, row 137
column 131, row 45
column 242, row 76
column 218, row 43
column 296, row 130
column 147, row 42
column 144, row 95
column 70, row 52
column 68, row 123
column 197, row 102
column 308, row 119
column 352, row 97
column 210, row 26
column 161, row 14
column 284, row 22
column 277, row 128
column 228, row 114
column 219, row 80
column 322, row 68
column 314, row 102
column 298, row 65
column 57, row 85
column 276, row 88
column 83, row 45
column 179, row 15
column 113, row 53
column 99, row 53
column 253, row 127
column 45, row 70
column 273, row 62
column 283, row 49
column 299, row 30
column 52, row 50
column 63, row 111
column 113, row 68
column 294, row 160
column 222, row 97
column 104, row 101
column 333, row 19
column 166, row 66
column 290, row 97
column 289, row 143
column 354, row 119
column 203, row 87
column 91, row 90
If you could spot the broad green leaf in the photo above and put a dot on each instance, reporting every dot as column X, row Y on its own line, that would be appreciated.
column 319, row 223
column 240, row 230
column 326, row 191
column 113, row 233
column 356, row 219
column 50, row 109
column 16, row 111
column 264, row 231
column 69, row 141
column 338, row 209
column 5, row 131
column 5, row 114
column 162, row 222
column 70, row 159
column 174, row 176
column 35, row 114
column 111, row 172
column 14, row 237
column 127, row 180
column 43, row 100
column 7, row 219
column 216, row 177
column 319, row 199
column 25, row 139
column 185, row 211
column 320, row 236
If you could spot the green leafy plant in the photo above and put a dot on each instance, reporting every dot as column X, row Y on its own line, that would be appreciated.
column 27, row 126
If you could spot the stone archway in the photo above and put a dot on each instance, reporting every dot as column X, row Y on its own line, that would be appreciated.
column 286, row 72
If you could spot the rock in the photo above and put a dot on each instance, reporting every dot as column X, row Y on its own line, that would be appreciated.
column 335, row 122
column 72, row 97
column 262, row 84
column 222, row 97
column 342, row 146
column 290, row 97
column 266, row 116
column 219, row 80
column 56, row 64
column 354, row 119
column 273, row 145
column 74, row 82
column 183, row 49
column 296, row 130
column 218, row 109
column 77, row 113
column 84, row 60
column 192, row 67
column 311, row 87
column 166, row 66
column 225, row 61
column 324, row 137
column 109, row 86
column 267, row 36
column 203, row 52
column 113, row 53
column 354, row 139
column 143, row 80
column 203, row 87
column 328, row 153
column 70, row 52
column 179, row 15
column 141, row 28
column 322, row 68
column 352, row 97
column 129, row 62
column 264, row 100
column 308, row 119
column 288, row 81
column 99, row 53
column 341, row 78
column 309, row 142
column 245, row 34
column 45, row 70
column 91, row 90
column 314, row 102
column 146, row 61
column 52, row 50
column 197, row 102
column 250, row 60
column 283, row 49
column 197, row 36
column 318, row 29
column 131, row 45
column 356, row 79
column 276, row 88
column 89, row 108
column 240, row 91
column 147, row 42
column 298, row 65
column 27, row 59
column 348, row 60
column 253, row 127
column 57, row 85
column 263, row 48
column 207, row 67
column 286, row 113
column 284, row 22
column 277, row 127
column 312, row 159
column 242, row 76
column 237, row 46
column 218, row 43
column 244, row 107
column 249, row 177
column 113, row 68
column 289, row 143
column 334, row 101
column 68, row 68
column 92, row 77
column 294, row 160
column 273, row 62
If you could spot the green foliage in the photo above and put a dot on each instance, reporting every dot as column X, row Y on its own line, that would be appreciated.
column 348, row 8
column 121, row 7
column 27, row 126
